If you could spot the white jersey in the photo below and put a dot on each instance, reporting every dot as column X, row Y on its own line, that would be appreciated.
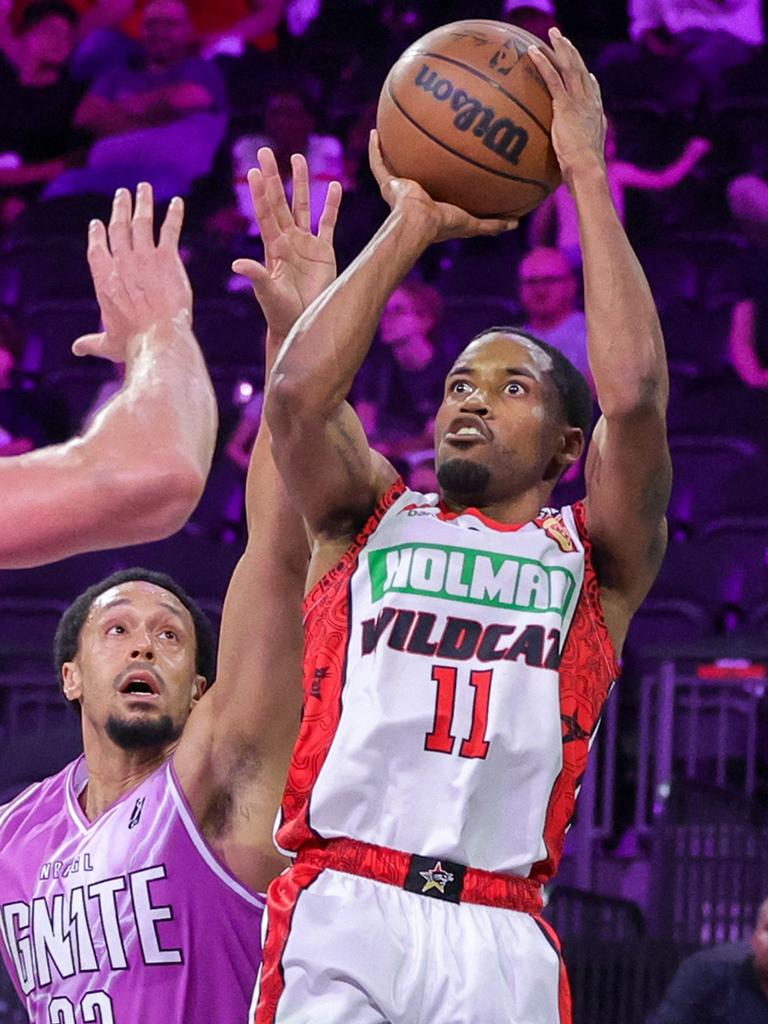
column 455, row 673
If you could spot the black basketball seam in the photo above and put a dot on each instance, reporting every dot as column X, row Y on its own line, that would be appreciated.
column 501, row 174
column 484, row 78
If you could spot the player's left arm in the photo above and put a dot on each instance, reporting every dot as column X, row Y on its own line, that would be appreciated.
column 234, row 755
column 628, row 465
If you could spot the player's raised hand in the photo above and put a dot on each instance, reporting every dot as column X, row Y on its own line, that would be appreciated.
column 298, row 265
column 138, row 284
column 578, row 119
column 449, row 221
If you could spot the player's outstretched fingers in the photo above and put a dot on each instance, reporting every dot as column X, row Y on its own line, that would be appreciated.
column 141, row 225
column 327, row 223
column 300, row 200
column 256, row 273
column 119, row 229
column 89, row 345
column 570, row 64
column 170, row 232
column 99, row 259
column 273, row 185
column 381, row 172
column 548, row 71
column 262, row 208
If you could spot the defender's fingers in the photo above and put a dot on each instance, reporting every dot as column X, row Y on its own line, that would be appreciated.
column 119, row 229
column 141, row 225
column 98, row 256
column 273, row 184
column 327, row 223
column 170, row 232
column 89, row 344
column 548, row 71
column 300, row 200
column 262, row 208
column 256, row 273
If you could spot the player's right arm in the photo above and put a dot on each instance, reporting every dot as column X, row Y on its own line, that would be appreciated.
column 138, row 471
column 319, row 444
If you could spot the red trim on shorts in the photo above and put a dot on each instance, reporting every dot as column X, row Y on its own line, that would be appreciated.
column 510, row 892
column 283, row 896
column 564, row 1001
column 588, row 669
column 327, row 630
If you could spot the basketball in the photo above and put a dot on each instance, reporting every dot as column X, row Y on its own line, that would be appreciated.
column 466, row 114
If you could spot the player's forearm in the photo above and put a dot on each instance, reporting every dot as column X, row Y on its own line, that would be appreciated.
column 272, row 520
column 625, row 343
column 316, row 367
column 162, row 422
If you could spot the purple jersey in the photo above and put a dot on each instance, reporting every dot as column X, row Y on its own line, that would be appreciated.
column 128, row 918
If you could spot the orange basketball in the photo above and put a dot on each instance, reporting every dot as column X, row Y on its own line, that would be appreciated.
column 466, row 114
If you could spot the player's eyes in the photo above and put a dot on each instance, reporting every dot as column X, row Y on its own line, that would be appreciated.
column 169, row 634
column 116, row 629
column 460, row 387
column 514, row 388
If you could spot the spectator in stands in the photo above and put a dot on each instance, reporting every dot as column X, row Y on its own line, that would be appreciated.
column 21, row 426
column 555, row 222
column 37, row 139
column 400, row 385
column 536, row 16
column 710, row 36
column 716, row 987
column 548, row 289
column 748, row 203
column 748, row 343
column 290, row 126
column 160, row 120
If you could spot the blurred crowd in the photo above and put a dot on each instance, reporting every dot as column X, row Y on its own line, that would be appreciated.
column 102, row 93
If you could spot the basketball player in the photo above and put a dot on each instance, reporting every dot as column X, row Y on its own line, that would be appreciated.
column 459, row 647
column 138, row 471
column 130, row 883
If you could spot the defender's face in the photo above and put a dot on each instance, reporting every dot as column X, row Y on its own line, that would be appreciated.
column 136, row 658
column 500, row 411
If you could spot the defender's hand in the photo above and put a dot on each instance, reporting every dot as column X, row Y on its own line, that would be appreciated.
column 447, row 221
column 578, row 120
column 139, row 285
column 298, row 265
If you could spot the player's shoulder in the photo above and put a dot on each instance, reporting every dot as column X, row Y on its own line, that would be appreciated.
column 39, row 801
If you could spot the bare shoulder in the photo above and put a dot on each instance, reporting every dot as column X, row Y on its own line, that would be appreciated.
column 328, row 549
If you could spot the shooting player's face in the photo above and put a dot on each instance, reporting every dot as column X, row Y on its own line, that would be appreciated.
column 500, row 426
column 135, row 663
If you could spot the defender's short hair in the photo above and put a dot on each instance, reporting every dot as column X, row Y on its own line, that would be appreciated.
column 67, row 638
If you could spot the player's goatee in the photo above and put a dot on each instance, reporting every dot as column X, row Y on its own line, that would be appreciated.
column 461, row 476
column 139, row 735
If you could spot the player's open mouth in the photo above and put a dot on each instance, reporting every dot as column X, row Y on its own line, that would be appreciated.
column 140, row 684
column 467, row 430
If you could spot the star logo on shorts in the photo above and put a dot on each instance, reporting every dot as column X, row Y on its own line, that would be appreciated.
column 436, row 878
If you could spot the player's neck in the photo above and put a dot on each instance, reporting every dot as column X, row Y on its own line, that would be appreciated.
column 520, row 509
column 113, row 772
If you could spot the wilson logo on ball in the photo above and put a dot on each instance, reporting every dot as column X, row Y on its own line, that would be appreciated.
column 499, row 134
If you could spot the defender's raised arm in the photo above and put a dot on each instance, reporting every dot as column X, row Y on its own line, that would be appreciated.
column 139, row 470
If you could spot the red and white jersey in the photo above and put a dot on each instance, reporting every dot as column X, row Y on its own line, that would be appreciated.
column 455, row 673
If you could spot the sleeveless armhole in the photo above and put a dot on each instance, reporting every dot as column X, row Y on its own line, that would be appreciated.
column 592, row 591
column 348, row 560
